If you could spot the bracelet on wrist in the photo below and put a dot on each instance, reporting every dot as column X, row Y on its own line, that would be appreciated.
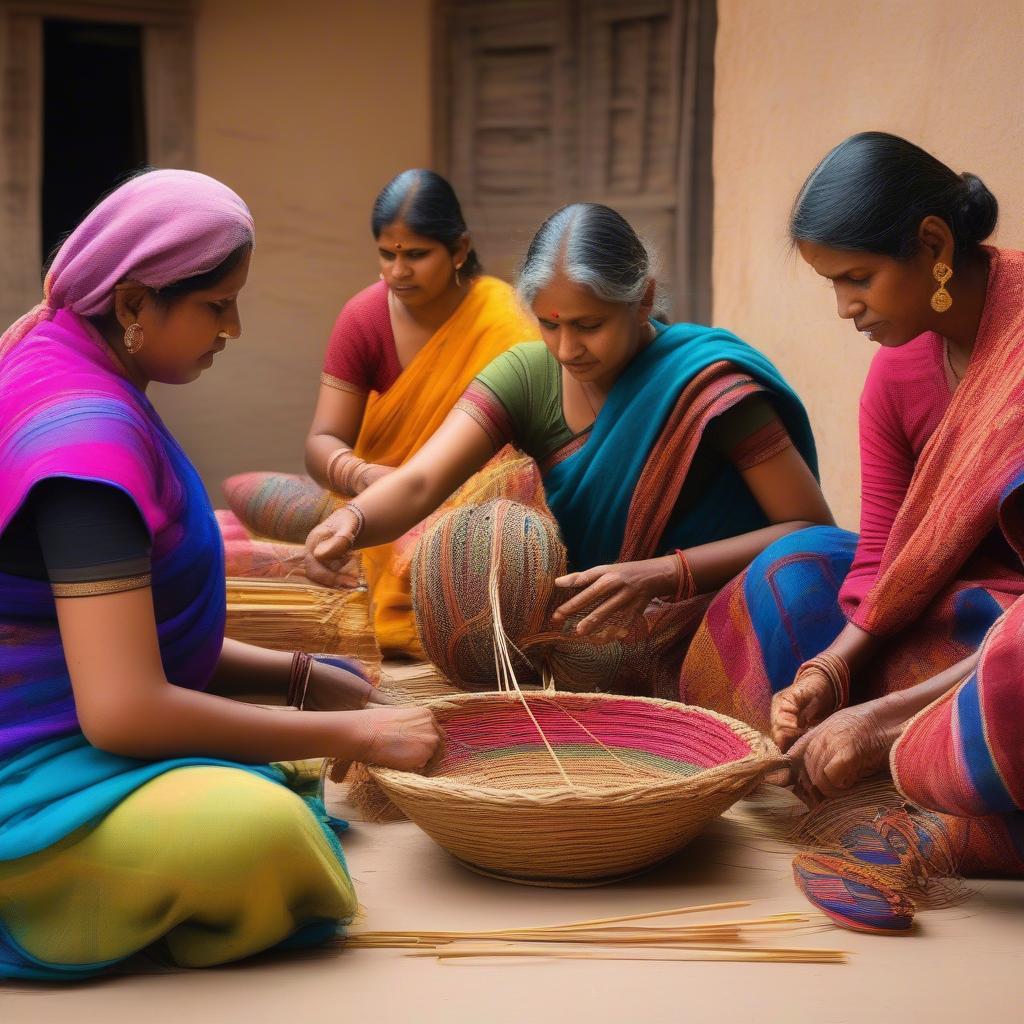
column 344, row 469
column 298, row 679
column 332, row 464
column 686, row 586
column 836, row 670
column 360, row 517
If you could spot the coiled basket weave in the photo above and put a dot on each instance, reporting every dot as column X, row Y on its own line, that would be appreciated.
column 644, row 777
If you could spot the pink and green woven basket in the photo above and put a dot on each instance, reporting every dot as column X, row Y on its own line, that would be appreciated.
column 645, row 777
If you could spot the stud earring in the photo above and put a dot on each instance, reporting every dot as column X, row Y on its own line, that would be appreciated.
column 458, row 280
column 133, row 338
column 941, row 299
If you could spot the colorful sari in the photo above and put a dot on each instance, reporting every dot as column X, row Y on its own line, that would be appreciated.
column 614, row 493
column 645, row 440
column 66, row 411
column 938, row 589
column 102, row 855
column 398, row 422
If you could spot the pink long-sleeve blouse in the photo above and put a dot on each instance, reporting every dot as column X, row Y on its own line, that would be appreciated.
column 905, row 396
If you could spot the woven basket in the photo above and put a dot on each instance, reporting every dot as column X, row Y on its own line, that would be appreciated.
column 647, row 776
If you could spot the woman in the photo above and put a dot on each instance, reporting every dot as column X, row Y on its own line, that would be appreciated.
column 896, row 621
column 401, row 353
column 677, row 453
column 136, row 804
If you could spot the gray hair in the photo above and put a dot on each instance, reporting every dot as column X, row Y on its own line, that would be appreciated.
column 593, row 246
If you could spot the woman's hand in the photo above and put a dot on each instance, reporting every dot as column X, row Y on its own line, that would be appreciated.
column 335, row 689
column 853, row 744
column 806, row 702
column 406, row 738
column 371, row 474
column 328, row 547
column 620, row 592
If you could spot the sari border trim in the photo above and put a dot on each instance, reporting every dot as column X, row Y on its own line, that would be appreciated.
column 329, row 380
column 97, row 588
column 567, row 450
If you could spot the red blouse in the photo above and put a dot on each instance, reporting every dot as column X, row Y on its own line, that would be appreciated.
column 361, row 355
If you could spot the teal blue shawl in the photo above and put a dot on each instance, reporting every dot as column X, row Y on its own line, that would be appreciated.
column 590, row 491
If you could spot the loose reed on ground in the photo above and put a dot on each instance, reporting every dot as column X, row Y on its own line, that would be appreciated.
column 619, row 938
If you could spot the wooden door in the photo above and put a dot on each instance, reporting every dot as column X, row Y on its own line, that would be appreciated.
column 548, row 102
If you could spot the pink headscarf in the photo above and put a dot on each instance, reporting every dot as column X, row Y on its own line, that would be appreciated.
column 157, row 228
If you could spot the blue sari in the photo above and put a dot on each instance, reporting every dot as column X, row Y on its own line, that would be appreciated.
column 591, row 491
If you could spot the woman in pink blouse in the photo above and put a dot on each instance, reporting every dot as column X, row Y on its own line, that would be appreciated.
column 899, row 646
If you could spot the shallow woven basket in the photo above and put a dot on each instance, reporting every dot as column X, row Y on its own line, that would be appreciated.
column 647, row 776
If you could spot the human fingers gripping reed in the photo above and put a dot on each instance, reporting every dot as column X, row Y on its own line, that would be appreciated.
column 406, row 738
column 808, row 700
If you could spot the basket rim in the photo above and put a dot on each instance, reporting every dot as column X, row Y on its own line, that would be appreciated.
column 412, row 784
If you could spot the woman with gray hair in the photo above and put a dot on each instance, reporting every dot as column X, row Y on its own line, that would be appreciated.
column 670, row 455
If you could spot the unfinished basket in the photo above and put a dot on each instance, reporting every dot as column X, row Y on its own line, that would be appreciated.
column 576, row 788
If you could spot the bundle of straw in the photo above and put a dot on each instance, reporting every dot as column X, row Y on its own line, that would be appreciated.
column 619, row 938
column 286, row 615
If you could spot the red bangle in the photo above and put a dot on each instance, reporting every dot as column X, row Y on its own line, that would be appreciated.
column 686, row 586
column 298, row 679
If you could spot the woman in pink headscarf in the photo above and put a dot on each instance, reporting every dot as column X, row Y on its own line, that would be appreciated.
column 137, row 804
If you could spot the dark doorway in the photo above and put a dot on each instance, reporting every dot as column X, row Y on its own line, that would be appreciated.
column 94, row 129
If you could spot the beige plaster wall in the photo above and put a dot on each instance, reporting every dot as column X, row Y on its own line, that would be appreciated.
column 306, row 109
column 795, row 77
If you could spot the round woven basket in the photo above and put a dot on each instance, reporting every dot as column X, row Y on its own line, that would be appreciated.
column 645, row 777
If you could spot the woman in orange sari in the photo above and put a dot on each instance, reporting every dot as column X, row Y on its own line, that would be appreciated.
column 401, row 354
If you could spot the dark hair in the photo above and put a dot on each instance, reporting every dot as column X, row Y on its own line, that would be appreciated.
column 426, row 204
column 872, row 191
column 171, row 293
column 592, row 245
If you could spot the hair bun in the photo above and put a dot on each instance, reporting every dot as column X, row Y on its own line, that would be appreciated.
column 979, row 211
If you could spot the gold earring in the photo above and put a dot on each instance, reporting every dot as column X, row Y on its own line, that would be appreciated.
column 133, row 338
column 458, row 281
column 941, row 299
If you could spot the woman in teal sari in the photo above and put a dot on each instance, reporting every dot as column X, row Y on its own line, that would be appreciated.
column 670, row 455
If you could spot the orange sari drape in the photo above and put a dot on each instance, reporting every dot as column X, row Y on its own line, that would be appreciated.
column 398, row 422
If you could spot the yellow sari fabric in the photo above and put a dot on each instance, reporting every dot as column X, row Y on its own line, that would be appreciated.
column 214, row 863
column 398, row 422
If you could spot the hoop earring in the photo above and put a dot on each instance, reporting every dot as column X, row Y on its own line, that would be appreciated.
column 458, row 280
column 941, row 299
column 133, row 339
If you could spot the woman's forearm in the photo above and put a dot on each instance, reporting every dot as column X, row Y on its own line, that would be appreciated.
column 396, row 503
column 319, row 448
column 904, row 704
column 856, row 647
column 162, row 720
column 250, row 671
column 714, row 564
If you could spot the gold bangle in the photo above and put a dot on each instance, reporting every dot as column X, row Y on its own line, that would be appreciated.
column 360, row 518
column 332, row 461
column 836, row 670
